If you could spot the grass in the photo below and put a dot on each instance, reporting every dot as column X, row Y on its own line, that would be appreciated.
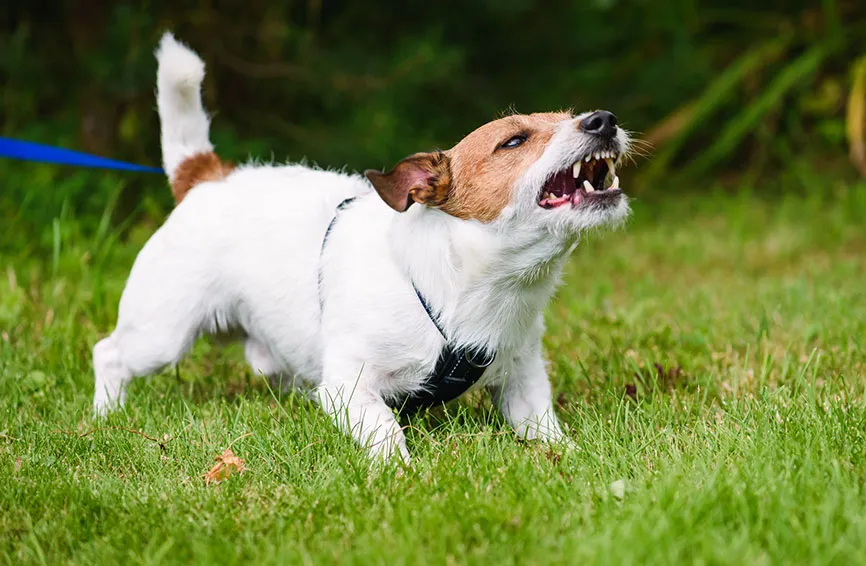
column 708, row 360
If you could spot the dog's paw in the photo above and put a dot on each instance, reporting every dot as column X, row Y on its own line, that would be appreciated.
column 390, row 451
column 104, row 404
column 568, row 444
column 101, row 409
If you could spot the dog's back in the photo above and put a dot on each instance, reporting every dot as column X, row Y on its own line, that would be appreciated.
column 198, row 272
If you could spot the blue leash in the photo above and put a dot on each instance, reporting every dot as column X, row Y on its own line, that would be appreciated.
column 29, row 151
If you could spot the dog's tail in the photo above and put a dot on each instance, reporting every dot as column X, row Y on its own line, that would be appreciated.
column 187, row 154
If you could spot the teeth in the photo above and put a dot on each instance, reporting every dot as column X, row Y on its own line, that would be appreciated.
column 587, row 186
column 611, row 167
column 575, row 169
column 615, row 185
column 600, row 155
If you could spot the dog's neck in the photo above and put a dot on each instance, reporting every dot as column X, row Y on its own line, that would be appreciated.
column 486, row 283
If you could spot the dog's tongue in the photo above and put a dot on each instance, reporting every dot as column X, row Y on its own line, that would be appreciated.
column 555, row 201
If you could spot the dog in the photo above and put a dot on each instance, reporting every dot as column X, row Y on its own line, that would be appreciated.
column 355, row 285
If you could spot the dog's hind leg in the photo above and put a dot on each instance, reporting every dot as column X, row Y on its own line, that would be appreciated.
column 259, row 358
column 263, row 363
column 111, row 376
column 136, row 352
column 154, row 330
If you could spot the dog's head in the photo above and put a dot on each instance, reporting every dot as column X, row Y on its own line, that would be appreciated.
column 555, row 170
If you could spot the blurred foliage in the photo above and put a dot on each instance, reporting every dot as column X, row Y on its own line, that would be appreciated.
column 735, row 86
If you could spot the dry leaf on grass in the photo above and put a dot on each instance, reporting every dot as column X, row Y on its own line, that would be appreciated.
column 226, row 465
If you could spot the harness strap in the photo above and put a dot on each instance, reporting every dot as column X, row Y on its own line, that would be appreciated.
column 429, row 311
column 333, row 221
column 457, row 369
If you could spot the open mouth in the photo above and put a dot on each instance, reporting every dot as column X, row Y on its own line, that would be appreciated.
column 590, row 180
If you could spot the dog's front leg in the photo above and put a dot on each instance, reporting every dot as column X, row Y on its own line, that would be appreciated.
column 366, row 416
column 525, row 399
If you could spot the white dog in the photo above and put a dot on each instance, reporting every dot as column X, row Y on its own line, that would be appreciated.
column 378, row 292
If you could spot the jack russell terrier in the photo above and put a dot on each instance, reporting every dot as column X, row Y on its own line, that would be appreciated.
column 380, row 292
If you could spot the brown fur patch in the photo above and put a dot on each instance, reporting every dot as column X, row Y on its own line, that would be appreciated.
column 484, row 175
column 199, row 168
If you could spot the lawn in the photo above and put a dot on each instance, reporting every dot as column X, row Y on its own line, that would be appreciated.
column 708, row 360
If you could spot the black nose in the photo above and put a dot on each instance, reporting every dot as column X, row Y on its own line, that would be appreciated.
column 600, row 123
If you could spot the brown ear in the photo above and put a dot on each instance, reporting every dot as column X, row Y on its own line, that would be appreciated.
column 424, row 178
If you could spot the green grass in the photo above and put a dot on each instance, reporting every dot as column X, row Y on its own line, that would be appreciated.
column 708, row 359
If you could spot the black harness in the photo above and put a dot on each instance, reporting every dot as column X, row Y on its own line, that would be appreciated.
column 457, row 368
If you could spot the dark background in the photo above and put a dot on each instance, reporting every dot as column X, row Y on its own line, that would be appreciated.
column 724, row 91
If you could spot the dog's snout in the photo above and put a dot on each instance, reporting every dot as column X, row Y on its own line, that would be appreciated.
column 599, row 123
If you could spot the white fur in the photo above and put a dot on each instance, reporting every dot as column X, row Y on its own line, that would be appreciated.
column 246, row 252
column 183, row 120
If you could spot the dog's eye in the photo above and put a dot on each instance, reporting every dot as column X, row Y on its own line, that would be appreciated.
column 513, row 142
